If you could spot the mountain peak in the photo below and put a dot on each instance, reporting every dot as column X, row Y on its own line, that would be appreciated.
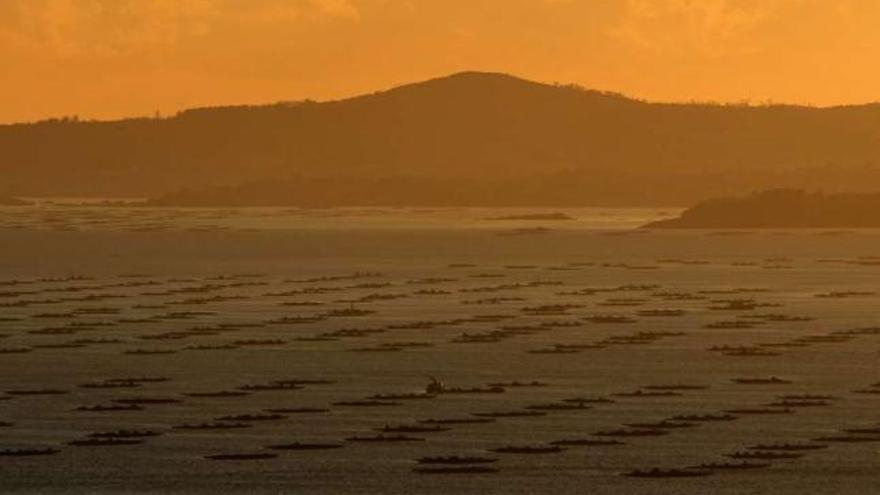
column 467, row 81
column 488, row 87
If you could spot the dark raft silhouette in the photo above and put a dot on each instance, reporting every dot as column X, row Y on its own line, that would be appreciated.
column 469, row 138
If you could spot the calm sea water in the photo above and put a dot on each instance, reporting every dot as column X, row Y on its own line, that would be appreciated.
column 118, row 280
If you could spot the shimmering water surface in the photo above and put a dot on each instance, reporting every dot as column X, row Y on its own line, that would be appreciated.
column 373, row 301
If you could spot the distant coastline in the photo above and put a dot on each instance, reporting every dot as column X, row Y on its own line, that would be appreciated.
column 780, row 208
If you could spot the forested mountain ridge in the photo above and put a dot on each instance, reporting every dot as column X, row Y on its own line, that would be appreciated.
column 482, row 131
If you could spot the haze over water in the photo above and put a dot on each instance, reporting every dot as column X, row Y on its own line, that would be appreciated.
column 179, row 286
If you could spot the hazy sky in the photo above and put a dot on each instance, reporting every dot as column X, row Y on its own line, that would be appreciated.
column 112, row 58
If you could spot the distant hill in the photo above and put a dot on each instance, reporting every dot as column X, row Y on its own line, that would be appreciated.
column 781, row 209
column 523, row 141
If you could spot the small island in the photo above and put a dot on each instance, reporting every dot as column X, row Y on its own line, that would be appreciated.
column 780, row 208
column 10, row 201
column 535, row 216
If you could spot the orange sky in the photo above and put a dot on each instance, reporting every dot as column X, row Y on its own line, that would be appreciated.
column 112, row 58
